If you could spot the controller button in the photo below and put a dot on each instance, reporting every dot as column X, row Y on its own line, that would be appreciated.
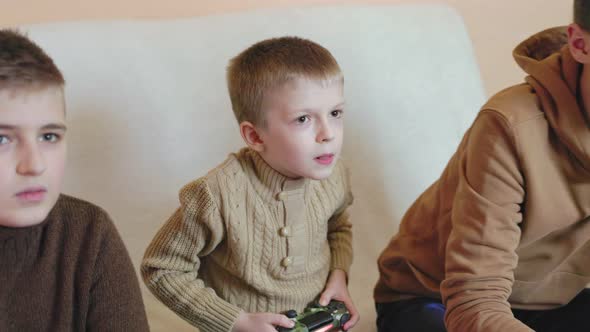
column 291, row 313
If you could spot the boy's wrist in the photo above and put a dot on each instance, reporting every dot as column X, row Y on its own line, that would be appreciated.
column 339, row 274
column 341, row 255
column 224, row 314
column 340, row 262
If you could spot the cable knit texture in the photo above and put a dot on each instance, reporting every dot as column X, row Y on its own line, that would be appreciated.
column 247, row 238
column 69, row 273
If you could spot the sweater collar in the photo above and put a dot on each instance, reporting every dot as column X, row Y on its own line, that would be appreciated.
column 19, row 244
column 269, row 183
column 22, row 232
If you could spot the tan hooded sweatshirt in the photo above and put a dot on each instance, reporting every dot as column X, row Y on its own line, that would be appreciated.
column 506, row 225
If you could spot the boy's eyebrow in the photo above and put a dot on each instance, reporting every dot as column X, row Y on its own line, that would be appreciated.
column 309, row 109
column 55, row 126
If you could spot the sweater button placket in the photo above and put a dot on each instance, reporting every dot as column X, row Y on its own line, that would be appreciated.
column 287, row 261
column 285, row 231
column 292, row 196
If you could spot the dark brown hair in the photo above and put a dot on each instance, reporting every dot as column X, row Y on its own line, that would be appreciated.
column 23, row 63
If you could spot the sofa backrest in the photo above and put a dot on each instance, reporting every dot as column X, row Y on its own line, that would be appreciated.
column 148, row 111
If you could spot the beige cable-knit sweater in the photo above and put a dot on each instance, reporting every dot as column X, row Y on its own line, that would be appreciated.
column 247, row 238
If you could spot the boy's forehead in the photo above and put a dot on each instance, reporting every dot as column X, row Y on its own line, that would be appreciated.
column 30, row 90
column 32, row 104
column 298, row 83
column 303, row 95
column 320, row 81
column 302, row 89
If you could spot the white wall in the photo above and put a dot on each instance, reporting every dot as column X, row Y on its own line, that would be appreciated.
column 495, row 26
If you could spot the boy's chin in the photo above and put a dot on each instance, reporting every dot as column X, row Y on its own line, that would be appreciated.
column 311, row 174
column 25, row 218
column 320, row 175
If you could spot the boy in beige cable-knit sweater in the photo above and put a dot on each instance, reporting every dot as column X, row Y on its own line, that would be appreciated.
column 267, row 230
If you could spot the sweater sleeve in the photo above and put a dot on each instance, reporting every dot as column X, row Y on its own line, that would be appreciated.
column 115, row 298
column 340, row 228
column 481, row 250
column 170, row 267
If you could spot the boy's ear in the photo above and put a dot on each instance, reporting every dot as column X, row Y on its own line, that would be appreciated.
column 251, row 137
column 579, row 43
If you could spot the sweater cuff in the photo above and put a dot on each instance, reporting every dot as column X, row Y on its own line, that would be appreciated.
column 341, row 260
column 222, row 316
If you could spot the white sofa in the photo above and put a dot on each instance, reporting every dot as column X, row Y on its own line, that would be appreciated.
column 148, row 111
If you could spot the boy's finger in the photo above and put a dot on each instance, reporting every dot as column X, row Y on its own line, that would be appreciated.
column 354, row 314
column 325, row 298
column 280, row 320
column 354, row 318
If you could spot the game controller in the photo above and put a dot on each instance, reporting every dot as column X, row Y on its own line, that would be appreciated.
column 318, row 318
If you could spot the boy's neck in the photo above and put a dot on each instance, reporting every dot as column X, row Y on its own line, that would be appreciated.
column 271, row 180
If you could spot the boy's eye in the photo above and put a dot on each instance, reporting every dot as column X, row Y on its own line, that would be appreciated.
column 336, row 113
column 302, row 119
column 4, row 140
column 50, row 137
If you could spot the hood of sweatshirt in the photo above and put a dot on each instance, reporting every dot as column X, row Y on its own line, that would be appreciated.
column 555, row 76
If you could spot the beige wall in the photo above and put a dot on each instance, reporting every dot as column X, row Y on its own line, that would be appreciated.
column 495, row 26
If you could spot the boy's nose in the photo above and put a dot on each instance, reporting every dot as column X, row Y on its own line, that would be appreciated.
column 31, row 161
column 325, row 134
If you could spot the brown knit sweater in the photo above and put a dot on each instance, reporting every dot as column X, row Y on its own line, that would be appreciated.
column 247, row 238
column 69, row 273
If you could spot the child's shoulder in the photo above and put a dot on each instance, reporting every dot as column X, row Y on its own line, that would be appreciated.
column 232, row 172
column 75, row 213
column 70, row 205
column 235, row 165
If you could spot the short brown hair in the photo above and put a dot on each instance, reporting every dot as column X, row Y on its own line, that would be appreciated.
column 582, row 13
column 271, row 63
column 23, row 63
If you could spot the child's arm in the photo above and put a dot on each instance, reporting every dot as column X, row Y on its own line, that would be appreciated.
column 172, row 260
column 115, row 299
column 339, row 226
column 340, row 241
column 481, row 250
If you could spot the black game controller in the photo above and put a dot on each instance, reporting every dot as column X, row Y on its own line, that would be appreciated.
column 318, row 318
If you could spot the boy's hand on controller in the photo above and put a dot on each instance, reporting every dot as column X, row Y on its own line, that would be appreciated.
column 261, row 322
column 336, row 289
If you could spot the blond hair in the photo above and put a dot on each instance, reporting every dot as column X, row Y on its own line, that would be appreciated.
column 271, row 63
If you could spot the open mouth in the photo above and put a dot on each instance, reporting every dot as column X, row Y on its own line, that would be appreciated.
column 325, row 159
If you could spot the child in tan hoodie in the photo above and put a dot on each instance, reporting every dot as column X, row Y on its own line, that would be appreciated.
column 501, row 242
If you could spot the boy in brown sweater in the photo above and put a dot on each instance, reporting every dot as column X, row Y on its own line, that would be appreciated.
column 268, row 229
column 501, row 242
column 63, row 266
